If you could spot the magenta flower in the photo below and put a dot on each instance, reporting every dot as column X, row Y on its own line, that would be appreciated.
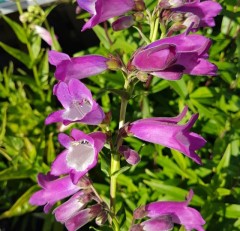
column 123, row 22
column 72, row 206
column 170, row 58
column 166, row 132
column 53, row 190
column 179, row 212
column 78, row 104
column 81, row 154
column 205, row 10
column 161, row 223
column 77, row 67
column 102, row 10
column 84, row 216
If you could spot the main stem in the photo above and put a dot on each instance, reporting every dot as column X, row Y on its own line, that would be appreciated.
column 115, row 157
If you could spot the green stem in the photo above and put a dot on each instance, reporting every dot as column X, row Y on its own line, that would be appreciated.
column 115, row 159
column 30, row 51
column 155, row 30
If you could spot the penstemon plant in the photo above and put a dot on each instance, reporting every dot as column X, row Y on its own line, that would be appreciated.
column 169, row 49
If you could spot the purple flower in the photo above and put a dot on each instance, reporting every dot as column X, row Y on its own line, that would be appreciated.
column 76, row 67
column 166, row 131
column 123, row 22
column 170, row 58
column 69, row 208
column 78, row 104
column 53, row 190
column 101, row 10
column 161, row 223
column 205, row 10
column 84, row 216
column 179, row 212
column 81, row 154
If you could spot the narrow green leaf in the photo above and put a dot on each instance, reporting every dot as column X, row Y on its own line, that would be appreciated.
column 17, row 28
column 224, row 163
column 21, row 173
column 100, row 32
column 19, row 55
column 21, row 206
column 173, row 192
column 179, row 87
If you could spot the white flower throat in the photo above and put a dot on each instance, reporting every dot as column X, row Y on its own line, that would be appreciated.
column 81, row 154
column 77, row 110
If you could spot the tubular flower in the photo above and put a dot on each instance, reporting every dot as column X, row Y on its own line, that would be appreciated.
column 102, row 10
column 77, row 67
column 81, row 154
column 161, row 223
column 162, row 213
column 78, row 104
column 84, row 216
column 53, row 190
column 166, row 131
column 204, row 10
column 171, row 57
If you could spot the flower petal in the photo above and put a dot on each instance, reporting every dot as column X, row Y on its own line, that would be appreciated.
column 59, row 165
column 55, row 57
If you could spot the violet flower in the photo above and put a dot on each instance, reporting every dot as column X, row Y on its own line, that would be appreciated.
column 166, row 132
column 205, row 10
column 78, row 104
column 76, row 67
column 161, row 223
column 53, row 190
column 123, row 22
column 179, row 212
column 169, row 58
column 72, row 206
column 102, row 10
column 84, row 216
column 81, row 154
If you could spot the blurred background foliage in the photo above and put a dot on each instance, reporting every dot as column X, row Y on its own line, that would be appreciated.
column 27, row 146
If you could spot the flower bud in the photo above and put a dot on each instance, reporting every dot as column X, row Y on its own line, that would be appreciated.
column 138, row 16
column 139, row 5
column 131, row 156
column 142, row 76
column 113, row 63
column 123, row 22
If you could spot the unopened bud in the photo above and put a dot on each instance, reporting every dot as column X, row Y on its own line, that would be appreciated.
column 24, row 17
column 113, row 63
column 138, row 16
column 123, row 22
column 142, row 76
column 140, row 212
column 139, row 5
column 131, row 67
